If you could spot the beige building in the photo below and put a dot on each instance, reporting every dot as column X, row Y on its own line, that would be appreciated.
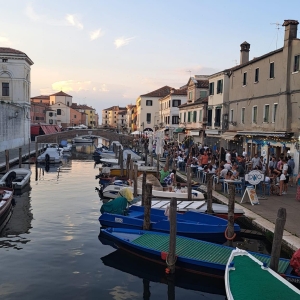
column 264, row 97
column 192, row 114
column 110, row 116
column 148, row 107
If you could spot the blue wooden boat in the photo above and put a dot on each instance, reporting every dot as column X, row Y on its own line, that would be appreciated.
column 247, row 278
column 191, row 224
column 193, row 255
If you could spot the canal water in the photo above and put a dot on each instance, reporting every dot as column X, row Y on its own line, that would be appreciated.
column 50, row 248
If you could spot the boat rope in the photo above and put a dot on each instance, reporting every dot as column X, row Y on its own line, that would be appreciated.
column 228, row 238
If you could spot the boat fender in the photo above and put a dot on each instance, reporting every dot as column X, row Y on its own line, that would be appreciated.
column 295, row 262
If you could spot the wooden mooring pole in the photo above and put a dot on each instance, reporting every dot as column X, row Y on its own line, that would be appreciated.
column 171, row 257
column 131, row 171
column 121, row 159
column 144, row 188
column 277, row 239
column 189, row 186
column 157, row 166
column 135, row 175
column 209, row 193
column 229, row 233
column 146, row 289
column 7, row 160
column 128, row 165
column 20, row 157
column 147, row 206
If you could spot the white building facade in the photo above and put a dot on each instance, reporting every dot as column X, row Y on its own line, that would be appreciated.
column 15, row 84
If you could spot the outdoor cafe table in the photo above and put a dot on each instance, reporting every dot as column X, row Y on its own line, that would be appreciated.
column 235, row 181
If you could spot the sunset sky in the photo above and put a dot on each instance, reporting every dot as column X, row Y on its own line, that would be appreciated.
column 106, row 53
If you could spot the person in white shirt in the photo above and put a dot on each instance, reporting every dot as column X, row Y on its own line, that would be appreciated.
column 255, row 161
column 244, row 153
column 227, row 166
column 285, row 172
column 228, row 156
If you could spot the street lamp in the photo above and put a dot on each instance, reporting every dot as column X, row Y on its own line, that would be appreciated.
column 142, row 125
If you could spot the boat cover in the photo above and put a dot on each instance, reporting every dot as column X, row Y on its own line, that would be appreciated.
column 295, row 262
column 115, row 206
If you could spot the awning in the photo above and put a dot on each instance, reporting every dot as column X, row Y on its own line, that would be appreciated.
column 194, row 133
column 50, row 129
column 228, row 135
column 179, row 129
column 148, row 129
column 262, row 133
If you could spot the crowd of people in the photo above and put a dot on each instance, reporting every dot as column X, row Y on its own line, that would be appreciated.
column 229, row 164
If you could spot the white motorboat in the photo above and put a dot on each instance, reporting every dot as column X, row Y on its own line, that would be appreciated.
column 16, row 178
column 111, row 191
column 115, row 161
column 51, row 155
column 84, row 139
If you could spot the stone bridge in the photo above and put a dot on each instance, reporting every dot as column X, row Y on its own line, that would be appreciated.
column 106, row 134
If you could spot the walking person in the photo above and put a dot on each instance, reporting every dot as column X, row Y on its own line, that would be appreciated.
column 291, row 164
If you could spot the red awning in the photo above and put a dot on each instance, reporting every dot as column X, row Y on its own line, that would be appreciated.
column 35, row 129
column 50, row 129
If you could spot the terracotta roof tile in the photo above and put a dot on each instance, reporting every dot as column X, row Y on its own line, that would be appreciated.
column 13, row 52
column 162, row 92
column 61, row 93
column 202, row 84
column 41, row 97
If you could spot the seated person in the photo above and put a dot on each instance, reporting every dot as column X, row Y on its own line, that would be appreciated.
column 178, row 188
column 223, row 172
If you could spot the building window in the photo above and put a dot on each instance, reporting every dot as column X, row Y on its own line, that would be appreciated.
column 190, row 95
column 256, row 75
column 209, row 117
column 272, row 70
column 50, row 121
column 243, row 115
column 266, row 113
column 4, row 59
column 195, row 116
column 218, row 117
column 200, row 115
column 220, row 86
column 203, row 94
column 75, row 116
column 245, row 78
column 184, row 117
column 211, row 88
column 231, row 116
column 189, row 117
column 176, row 103
column 50, row 114
column 148, row 118
column 180, row 117
column 296, row 67
column 254, row 114
column 5, row 89
column 274, row 112
column 58, row 111
column 68, row 103
column 175, row 119
column 148, row 102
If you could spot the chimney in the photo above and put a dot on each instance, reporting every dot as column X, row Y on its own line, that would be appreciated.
column 245, row 48
column 290, row 29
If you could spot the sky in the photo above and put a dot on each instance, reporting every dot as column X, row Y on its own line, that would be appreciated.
column 106, row 53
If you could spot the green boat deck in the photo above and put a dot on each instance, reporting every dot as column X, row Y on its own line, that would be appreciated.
column 196, row 249
column 249, row 281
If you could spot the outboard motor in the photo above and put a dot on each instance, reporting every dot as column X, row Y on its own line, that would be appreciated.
column 10, row 178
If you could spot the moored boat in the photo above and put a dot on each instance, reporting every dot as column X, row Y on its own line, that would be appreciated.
column 191, row 224
column 51, row 155
column 192, row 255
column 6, row 196
column 16, row 178
column 246, row 277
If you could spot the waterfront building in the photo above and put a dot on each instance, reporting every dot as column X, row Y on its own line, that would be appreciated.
column 148, row 107
column 168, row 119
column 110, row 116
column 193, row 113
column 15, row 84
column 264, row 97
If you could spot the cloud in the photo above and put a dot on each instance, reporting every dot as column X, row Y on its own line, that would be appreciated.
column 96, row 34
column 71, row 85
column 73, row 20
column 31, row 14
column 4, row 41
column 120, row 42
column 104, row 88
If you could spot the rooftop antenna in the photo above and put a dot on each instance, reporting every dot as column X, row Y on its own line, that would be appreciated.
column 189, row 72
column 277, row 27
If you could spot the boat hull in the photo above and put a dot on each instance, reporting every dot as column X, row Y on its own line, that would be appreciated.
column 20, row 180
column 6, row 197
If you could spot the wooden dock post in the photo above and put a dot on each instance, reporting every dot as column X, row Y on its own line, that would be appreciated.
column 144, row 188
column 277, row 239
column 146, row 152
column 131, row 175
column 28, row 148
column 37, row 149
column 20, row 157
column 157, row 166
column 229, row 233
column 7, row 160
column 128, row 164
column 121, row 161
column 146, row 289
column 189, row 186
column 147, row 206
column 151, row 158
column 209, row 193
column 135, row 175
column 171, row 257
